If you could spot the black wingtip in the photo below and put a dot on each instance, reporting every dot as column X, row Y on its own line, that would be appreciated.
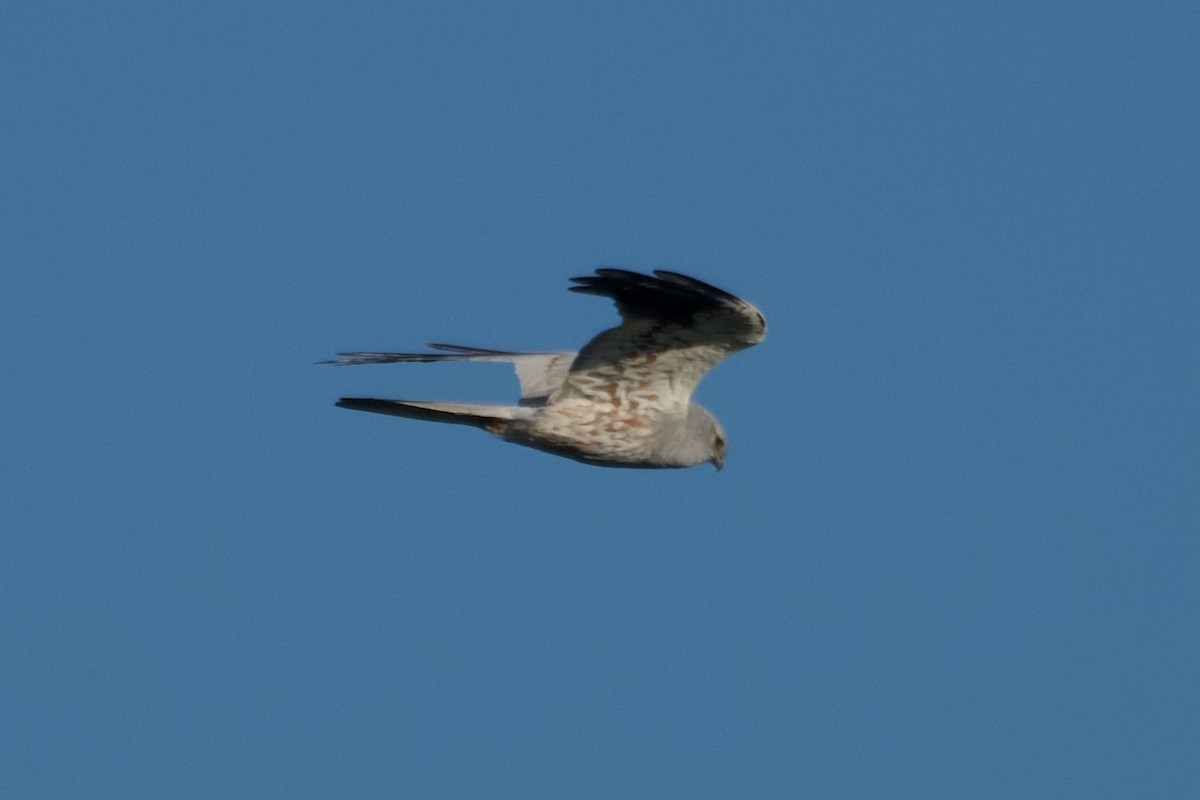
column 664, row 294
column 679, row 279
column 363, row 404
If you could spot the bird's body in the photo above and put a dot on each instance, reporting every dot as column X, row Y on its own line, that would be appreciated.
column 622, row 401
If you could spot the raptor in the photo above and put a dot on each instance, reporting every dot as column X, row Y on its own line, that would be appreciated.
column 625, row 399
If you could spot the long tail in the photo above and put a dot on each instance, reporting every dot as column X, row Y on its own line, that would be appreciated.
column 490, row 418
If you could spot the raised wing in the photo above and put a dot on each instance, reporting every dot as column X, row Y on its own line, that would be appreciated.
column 540, row 374
column 674, row 330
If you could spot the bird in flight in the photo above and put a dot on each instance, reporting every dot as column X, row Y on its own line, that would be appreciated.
column 625, row 399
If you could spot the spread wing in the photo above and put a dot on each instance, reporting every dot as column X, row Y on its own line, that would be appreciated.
column 674, row 329
column 539, row 373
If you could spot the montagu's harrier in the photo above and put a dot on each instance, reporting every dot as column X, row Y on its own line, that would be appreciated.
column 622, row 401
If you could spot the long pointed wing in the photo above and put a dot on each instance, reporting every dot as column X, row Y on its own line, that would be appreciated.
column 539, row 374
column 490, row 418
column 674, row 330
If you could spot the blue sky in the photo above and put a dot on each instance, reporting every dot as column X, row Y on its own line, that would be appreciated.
column 953, row 551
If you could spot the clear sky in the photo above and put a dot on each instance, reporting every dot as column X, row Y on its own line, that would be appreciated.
column 953, row 551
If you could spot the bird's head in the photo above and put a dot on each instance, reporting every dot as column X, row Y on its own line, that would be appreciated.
column 708, row 436
column 718, row 459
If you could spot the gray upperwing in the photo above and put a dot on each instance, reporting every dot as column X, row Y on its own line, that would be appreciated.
column 538, row 373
